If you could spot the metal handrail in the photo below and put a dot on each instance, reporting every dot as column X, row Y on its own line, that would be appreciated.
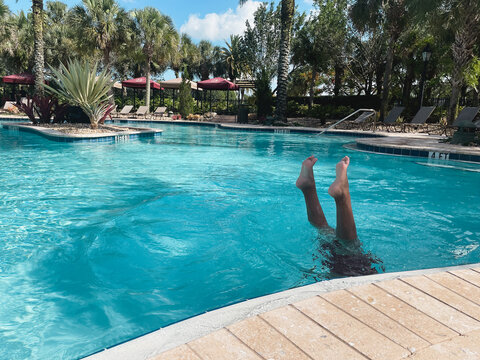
column 347, row 117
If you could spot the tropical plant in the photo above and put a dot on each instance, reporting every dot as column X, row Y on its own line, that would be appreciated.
column 158, row 39
column 79, row 85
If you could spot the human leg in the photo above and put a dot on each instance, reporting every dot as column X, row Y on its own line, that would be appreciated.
column 306, row 183
column 339, row 190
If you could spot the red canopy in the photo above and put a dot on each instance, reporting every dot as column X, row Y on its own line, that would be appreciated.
column 140, row 83
column 25, row 79
column 217, row 83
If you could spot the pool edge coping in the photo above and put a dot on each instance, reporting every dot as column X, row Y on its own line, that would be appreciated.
column 158, row 341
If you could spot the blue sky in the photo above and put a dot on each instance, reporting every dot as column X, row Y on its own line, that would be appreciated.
column 214, row 20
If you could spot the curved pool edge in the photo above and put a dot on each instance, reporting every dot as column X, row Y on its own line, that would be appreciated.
column 157, row 342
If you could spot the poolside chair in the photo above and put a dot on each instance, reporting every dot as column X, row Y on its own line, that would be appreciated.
column 160, row 111
column 125, row 111
column 465, row 125
column 141, row 111
column 391, row 119
column 420, row 118
column 8, row 105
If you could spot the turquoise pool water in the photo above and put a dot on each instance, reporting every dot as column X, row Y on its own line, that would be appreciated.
column 105, row 242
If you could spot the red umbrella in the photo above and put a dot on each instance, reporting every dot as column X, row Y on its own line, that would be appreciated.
column 25, row 79
column 140, row 83
column 217, row 83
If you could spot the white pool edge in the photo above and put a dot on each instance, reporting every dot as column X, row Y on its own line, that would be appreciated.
column 149, row 345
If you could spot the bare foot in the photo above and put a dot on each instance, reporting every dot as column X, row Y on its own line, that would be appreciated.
column 339, row 187
column 305, row 179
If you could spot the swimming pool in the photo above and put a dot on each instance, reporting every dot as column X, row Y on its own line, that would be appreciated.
column 105, row 242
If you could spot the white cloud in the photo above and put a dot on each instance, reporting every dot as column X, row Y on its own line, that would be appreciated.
column 215, row 27
column 308, row 2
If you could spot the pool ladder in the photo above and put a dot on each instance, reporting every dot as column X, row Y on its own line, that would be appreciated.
column 371, row 111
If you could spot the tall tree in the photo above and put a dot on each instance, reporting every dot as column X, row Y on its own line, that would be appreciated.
column 39, row 63
column 206, row 62
column 232, row 56
column 103, row 23
column 187, row 56
column 392, row 16
column 158, row 39
column 287, row 16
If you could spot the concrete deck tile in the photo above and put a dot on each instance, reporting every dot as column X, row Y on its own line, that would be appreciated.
column 443, row 294
column 414, row 320
column 376, row 320
column 445, row 314
column 265, row 340
column 458, row 285
column 458, row 348
column 356, row 334
column 468, row 275
column 182, row 352
column 317, row 342
column 221, row 345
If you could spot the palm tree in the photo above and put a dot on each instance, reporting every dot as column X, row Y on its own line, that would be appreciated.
column 207, row 58
column 158, row 40
column 38, row 65
column 100, row 21
column 232, row 56
column 187, row 56
column 287, row 14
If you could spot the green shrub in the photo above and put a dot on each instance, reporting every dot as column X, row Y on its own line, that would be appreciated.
column 185, row 99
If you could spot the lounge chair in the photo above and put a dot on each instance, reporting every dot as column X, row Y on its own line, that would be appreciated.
column 125, row 111
column 420, row 118
column 141, row 111
column 465, row 125
column 160, row 111
column 9, row 105
column 391, row 119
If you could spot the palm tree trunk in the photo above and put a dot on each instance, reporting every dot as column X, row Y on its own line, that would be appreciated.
column 38, row 53
column 456, row 86
column 386, row 78
column 147, row 85
column 287, row 12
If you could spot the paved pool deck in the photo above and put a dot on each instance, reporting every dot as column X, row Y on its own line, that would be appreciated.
column 424, row 314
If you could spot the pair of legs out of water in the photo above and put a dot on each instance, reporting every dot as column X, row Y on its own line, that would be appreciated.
column 339, row 190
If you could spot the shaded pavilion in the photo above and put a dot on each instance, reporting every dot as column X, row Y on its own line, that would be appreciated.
column 17, row 79
column 218, row 84
column 140, row 83
column 174, row 84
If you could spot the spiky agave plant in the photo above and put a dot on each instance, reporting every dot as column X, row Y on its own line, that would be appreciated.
column 79, row 84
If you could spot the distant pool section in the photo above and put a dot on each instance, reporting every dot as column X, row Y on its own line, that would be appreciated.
column 58, row 136
column 106, row 242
